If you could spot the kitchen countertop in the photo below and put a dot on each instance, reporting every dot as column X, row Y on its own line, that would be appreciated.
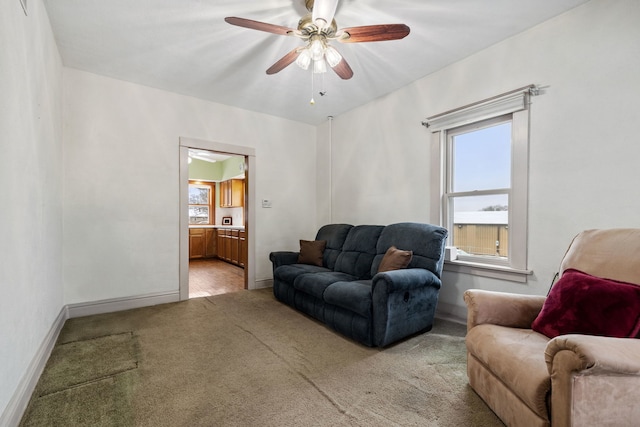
column 228, row 227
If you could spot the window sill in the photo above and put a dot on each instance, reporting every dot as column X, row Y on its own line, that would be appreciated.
column 486, row 270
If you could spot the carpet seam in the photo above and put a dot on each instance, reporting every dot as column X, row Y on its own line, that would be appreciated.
column 95, row 380
column 96, row 338
column 300, row 374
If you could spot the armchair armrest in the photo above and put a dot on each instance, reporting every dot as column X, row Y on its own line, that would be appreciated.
column 501, row 308
column 283, row 258
column 594, row 380
column 596, row 353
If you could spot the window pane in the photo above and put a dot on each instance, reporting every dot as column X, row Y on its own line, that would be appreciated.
column 480, row 225
column 198, row 214
column 198, row 195
column 482, row 159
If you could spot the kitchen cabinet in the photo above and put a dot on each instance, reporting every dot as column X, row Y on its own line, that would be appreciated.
column 223, row 251
column 202, row 243
column 196, row 243
column 232, row 193
column 235, row 247
column 243, row 248
column 232, row 246
column 210, row 242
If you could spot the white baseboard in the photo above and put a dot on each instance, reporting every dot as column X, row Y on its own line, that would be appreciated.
column 119, row 304
column 18, row 404
column 12, row 414
column 451, row 312
column 263, row 283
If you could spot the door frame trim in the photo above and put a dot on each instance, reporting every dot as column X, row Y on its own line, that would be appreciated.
column 185, row 144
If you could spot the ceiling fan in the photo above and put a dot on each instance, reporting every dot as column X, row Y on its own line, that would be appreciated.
column 317, row 29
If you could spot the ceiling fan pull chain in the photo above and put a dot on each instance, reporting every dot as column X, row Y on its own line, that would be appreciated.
column 322, row 92
column 312, row 102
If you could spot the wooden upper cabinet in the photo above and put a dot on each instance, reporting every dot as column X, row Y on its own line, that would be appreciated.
column 232, row 193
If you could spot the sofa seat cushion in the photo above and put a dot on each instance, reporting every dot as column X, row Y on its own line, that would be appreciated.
column 353, row 296
column 288, row 273
column 314, row 284
column 516, row 357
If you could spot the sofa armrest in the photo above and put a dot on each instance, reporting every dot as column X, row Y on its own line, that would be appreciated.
column 501, row 308
column 405, row 279
column 283, row 258
column 403, row 303
column 593, row 378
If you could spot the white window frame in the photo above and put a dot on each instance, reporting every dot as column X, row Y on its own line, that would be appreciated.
column 208, row 206
column 516, row 105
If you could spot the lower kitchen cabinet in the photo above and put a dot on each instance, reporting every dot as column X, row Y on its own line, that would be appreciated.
column 232, row 246
column 243, row 248
column 211, row 243
column 202, row 243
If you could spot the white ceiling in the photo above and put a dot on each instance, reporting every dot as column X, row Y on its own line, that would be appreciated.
column 185, row 46
column 208, row 156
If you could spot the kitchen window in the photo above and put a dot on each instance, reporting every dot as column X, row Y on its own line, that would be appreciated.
column 201, row 197
column 480, row 184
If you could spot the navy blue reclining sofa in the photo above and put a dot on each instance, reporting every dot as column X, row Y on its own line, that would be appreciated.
column 348, row 293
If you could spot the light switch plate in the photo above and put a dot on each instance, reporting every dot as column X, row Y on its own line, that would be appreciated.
column 266, row 203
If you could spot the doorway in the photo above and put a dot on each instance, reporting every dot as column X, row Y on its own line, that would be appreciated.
column 213, row 269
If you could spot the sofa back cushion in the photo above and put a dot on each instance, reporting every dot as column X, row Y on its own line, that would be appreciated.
column 426, row 241
column 334, row 235
column 608, row 253
column 358, row 251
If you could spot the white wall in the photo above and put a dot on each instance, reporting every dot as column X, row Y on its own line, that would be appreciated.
column 121, row 182
column 584, row 147
column 116, row 222
column 30, row 190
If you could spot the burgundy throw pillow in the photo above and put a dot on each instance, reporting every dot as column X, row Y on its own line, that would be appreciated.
column 311, row 252
column 395, row 259
column 583, row 304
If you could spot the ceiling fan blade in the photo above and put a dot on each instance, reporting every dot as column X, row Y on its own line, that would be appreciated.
column 373, row 33
column 283, row 62
column 343, row 70
column 260, row 26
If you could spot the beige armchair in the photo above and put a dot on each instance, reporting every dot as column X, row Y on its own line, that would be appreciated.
column 529, row 379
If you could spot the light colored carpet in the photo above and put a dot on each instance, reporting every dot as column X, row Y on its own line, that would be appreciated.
column 244, row 359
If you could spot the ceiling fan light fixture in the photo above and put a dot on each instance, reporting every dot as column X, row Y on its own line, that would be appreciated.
column 316, row 29
column 319, row 66
column 304, row 59
column 317, row 49
column 333, row 56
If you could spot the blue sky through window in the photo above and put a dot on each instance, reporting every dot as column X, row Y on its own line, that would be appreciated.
column 482, row 161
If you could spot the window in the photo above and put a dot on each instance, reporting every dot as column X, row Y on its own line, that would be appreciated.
column 200, row 203
column 476, row 197
column 480, row 183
